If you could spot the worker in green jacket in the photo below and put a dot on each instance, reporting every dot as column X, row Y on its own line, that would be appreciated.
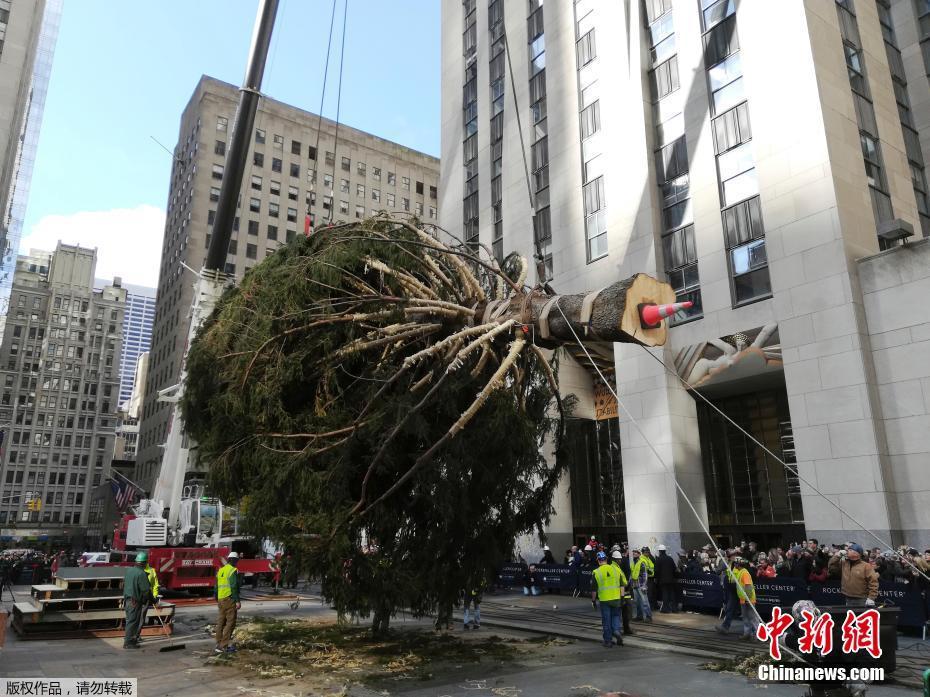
column 228, row 603
column 136, row 594
column 153, row 597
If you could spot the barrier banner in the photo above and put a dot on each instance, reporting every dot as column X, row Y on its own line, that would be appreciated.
column 511, row 575
column 700, row 590
column 908, row 598
column 707, row 591
column 555, row 576
column 783, row 592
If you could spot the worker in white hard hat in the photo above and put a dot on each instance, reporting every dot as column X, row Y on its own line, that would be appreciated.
column 227, row 602
column 547, row 557
column 666, row 571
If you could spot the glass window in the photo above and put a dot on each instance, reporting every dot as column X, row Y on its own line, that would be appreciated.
column 740, row 187
column 360, row 190
column 726, row 72
column 735, row 161
column 715, row 11
column 259, row 135
column 221, row 123
column 749, row 265
column 729, row 96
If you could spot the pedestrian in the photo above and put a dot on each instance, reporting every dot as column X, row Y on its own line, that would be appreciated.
column 639, row 579
column 228, row 603
column 741, row 591
column 608, row 590
column 152, row 599
column 136, row 594
column 858, row 579
column 472, row 601
column 765, row 570
column 665, row 573
column 623, row 566
column 547, row 556
column 531, row 581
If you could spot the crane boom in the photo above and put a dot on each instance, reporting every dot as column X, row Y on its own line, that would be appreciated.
column 187, row 509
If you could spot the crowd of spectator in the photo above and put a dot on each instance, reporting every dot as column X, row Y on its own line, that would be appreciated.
column 811, row 561
column 807, row 560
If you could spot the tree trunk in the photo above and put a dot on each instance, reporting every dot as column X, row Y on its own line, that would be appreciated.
column 380, row 623
column 614, row 315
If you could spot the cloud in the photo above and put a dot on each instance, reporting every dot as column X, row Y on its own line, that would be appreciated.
column 128, row 240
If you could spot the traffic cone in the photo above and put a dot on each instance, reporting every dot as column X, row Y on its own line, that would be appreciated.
column 652, row 315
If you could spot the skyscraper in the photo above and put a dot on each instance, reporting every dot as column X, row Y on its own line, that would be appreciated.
column 753, row 155
column 59, row 364
column 28, row 34
column 137, row 335
column 297, row 170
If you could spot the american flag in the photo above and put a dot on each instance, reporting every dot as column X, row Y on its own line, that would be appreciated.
column 123, row 491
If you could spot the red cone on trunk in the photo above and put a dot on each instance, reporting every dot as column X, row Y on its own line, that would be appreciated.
column 652, row 315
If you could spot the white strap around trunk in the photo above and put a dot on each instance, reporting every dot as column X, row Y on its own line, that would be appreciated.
column 544, row 317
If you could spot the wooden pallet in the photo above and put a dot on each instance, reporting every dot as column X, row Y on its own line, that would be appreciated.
column 54, row 592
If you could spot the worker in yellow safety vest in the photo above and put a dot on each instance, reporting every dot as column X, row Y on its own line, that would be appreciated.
column 741, row 586
column 153, row 584
column 639, row 580
column 228, row 603
column 607, row 589
column 623, row 565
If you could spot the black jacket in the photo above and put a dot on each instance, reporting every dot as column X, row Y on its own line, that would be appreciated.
column 665, row 569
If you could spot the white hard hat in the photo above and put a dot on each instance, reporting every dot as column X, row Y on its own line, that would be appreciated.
column 545, row 548
column 588, row 548
column 233, row 555
column 616, row 554
column 660, row 548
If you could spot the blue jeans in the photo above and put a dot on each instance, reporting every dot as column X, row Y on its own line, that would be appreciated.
column 534, row 589
column 610, row 621
column 730, row 610
column 477, row 613
column 642, row 609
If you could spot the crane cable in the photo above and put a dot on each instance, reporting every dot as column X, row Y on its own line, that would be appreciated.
column 319, row 123
column 669, row 471
column 342, row 52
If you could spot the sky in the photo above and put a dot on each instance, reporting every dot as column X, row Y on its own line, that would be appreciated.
column 123, row 72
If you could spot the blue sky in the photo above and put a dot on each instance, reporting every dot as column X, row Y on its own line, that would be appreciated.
column 123, row 72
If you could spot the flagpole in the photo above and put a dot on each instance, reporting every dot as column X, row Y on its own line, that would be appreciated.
column 120, row 474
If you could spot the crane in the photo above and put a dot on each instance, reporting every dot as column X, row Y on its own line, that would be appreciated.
column 180, row 515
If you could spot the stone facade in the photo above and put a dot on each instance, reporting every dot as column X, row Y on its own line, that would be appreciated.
column 813, row 209
column 60, row 365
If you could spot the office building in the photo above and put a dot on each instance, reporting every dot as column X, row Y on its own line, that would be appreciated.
column 28, row 34
column 59, row 361
column 137, row 335
column 759, row 157
column 298, row 173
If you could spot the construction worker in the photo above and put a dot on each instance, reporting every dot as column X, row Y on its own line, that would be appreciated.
column 136, row 594
column 617, row 560
column 652, row 588
column 639, row 579
column 228, row 603
column 608, row 590
column 153, row 584
column 738, row 575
